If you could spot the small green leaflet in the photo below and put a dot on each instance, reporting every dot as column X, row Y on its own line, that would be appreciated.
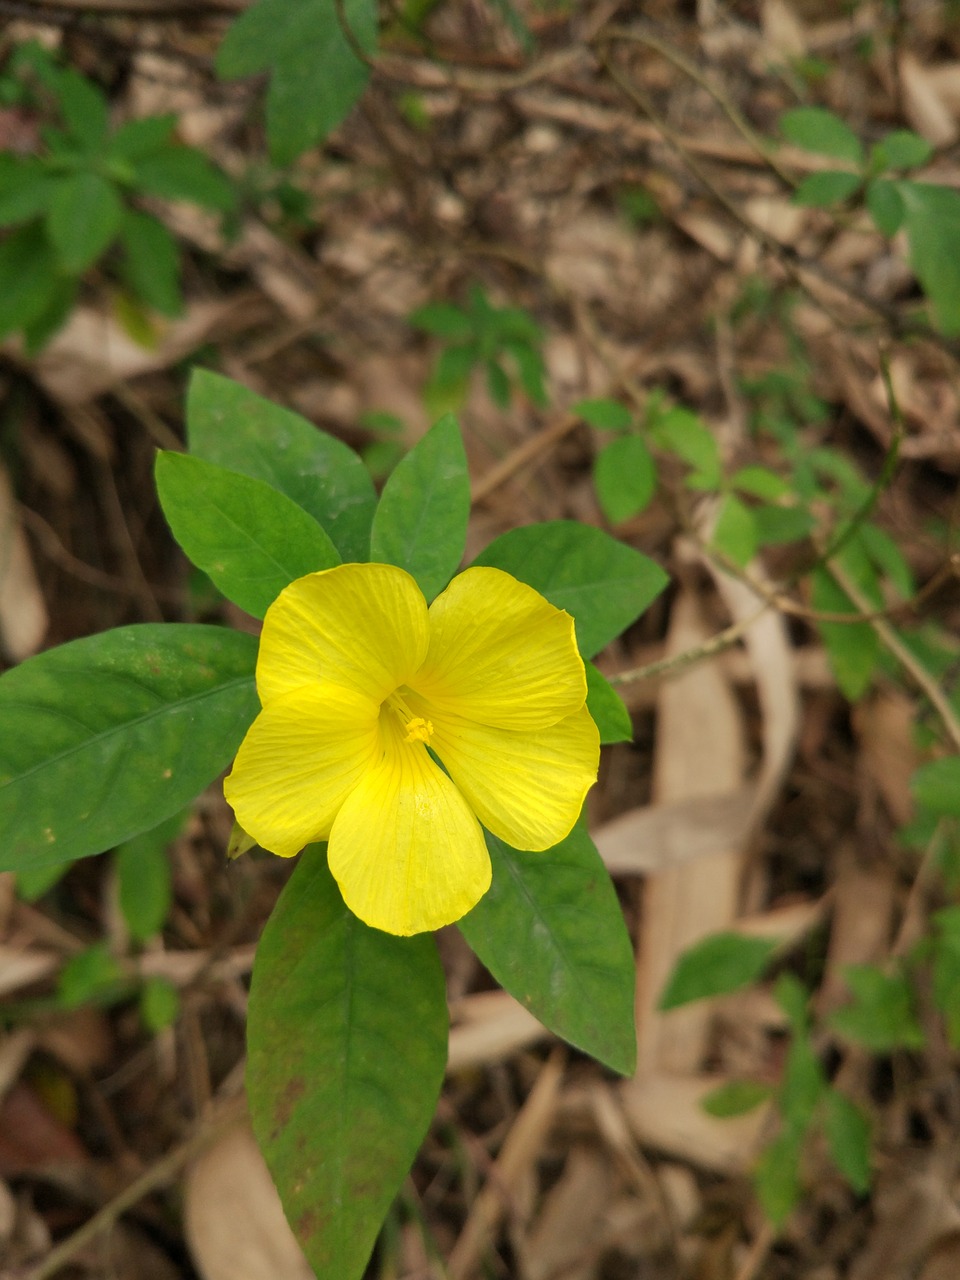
column 722, row 963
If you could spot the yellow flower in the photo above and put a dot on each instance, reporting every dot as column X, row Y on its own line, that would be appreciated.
column 357, row 678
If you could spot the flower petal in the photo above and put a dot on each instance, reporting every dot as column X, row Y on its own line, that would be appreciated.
column 500, row 654
column 361, row 626
column 526, row 787
column 301, row 758
column 405, row 849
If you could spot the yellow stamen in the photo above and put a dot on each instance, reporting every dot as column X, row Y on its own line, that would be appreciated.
column 417, row 729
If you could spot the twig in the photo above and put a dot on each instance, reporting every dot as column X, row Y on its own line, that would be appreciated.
column 716, row 644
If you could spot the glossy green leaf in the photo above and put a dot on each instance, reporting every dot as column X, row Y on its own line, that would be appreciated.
column 829, row 186
column 231, row 426
column 421, row 522
column 183, row 173
column 625, row 476
column 933, row 229
column 885, row 206
column 606, row 706
column 151, row 262
column 107, row 736
column 818, row 130
column 316, row 77
column 347, row 1040
column 249, row 538
column 721, row 963
column 84, row 219
column 144, row 880
column 551, row 931
column 604, row 584
column 936, row 786
column 848, row 1133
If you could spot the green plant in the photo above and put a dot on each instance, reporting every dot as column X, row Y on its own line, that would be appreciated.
column 74, row 203
column 110, row 736
column 928, row 212
column 481, row 335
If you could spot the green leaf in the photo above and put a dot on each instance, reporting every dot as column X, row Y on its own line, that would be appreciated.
column 885, row 206
column 605, row 415
column 347, row 1040
column 721, row 963
column 818, row 130
column 933, row 229
column 84, row 219
column 760, row 482
column 183, row 173
column 551, row 931
column 38, row 331
column 776, row 525
column 530, row 370
column 904, row 149
column 249, row 538
column 852, row 647
column 604, row 584
column 936, row 786
column 84, row 107
column 735, row 533
column 107, row 736
column 946, row 971
column 681, row 432
column 34, row 882
column 735, row 1098
column 829, row 186
column 139, row 138
column 882, row 1016
column 26, row 188
column 421, row 522
column 443, row 320
column 498, row 384
column 848, row 1133
column 29, row 278
column 144, row 880
column 231, row 426
column 605, row 705
column 804, row 1084
column 777, row 1177
column 885, row 555
column 625, row 476
column 159, row 1004
column 151, row 262
column 93, row 977
column 315, row 75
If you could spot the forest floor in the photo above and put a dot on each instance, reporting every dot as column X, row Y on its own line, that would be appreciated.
column 623, row 196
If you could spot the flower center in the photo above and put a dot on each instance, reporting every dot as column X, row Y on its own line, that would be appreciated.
column 416, row 729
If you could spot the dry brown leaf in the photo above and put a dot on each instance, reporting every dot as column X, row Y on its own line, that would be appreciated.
column 884, row 724
column 913, row 1208
column 490, row 1026
column 23, row 612
column 234, row 1221
column 699, row 752
column 666, row 1113
column 923, row 105
column 783, row 33
column 563, row 1239
column 93, row 352
column 19, row 967
column 655, row 837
